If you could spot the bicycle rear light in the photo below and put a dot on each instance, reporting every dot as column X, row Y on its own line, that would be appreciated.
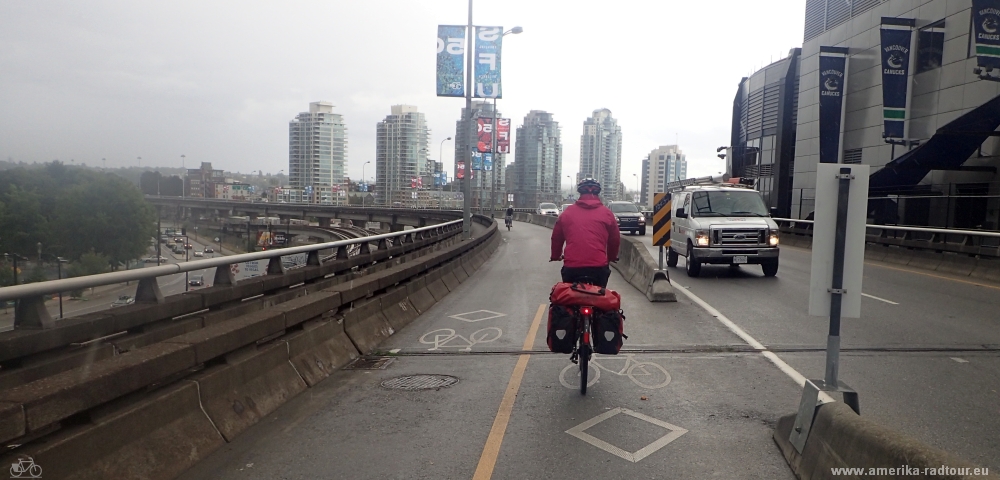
column 585, row 310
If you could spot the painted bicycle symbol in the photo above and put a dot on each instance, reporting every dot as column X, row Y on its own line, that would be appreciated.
column 644, row 374
column 448, row 338
column 25, row 468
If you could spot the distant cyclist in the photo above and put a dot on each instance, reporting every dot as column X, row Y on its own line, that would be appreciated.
column 590, row 233
column 509, row 217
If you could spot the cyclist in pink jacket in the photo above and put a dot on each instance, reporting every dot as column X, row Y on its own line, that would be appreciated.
column 590, row 233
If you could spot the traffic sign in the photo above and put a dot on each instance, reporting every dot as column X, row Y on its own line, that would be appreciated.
column 661, row 219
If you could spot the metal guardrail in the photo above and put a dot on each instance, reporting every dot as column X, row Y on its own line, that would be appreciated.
column 31, row 309
column 971, row 242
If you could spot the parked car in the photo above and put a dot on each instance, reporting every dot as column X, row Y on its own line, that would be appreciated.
column 548, row 209
column 199, row 253
column 197, row 281
column 209, row 250
column 122, row 301
column 628, row 217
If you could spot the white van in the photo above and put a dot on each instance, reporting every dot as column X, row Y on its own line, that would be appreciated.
column 722, row 224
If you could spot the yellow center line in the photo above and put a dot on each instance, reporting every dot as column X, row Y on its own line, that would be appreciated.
column 488, row 459
column 932, row 275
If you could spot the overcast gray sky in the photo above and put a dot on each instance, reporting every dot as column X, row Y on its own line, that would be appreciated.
column 219, row 81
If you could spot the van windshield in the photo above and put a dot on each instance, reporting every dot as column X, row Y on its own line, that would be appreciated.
column 547, row 206
column 728, row 204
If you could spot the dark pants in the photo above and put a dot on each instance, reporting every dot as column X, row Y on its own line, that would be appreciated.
column 597, row 275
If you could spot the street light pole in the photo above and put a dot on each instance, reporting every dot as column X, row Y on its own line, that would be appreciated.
column 634, row 197
column 441, row 159
column 363, row 180
column 470, row 131
column 570, row 177
column 184, row 171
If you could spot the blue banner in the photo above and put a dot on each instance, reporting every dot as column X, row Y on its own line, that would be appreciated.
column 487, row 71
column 986, row 25
column 477, row 161
column 444, row 179
column 895, row 35
column 451, row 61
column 832, row 82
column 488, row 162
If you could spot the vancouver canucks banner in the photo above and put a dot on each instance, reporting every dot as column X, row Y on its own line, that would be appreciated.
column 896, row 34
column 450, row 61
column 832, row 79
column 487, row 60
column 986, row 24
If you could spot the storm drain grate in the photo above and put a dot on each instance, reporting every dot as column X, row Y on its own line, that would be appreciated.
column 420, row 382
column 369, row 363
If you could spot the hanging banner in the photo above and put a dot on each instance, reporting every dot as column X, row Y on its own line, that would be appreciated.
column 487, row 162
column 460, row 169
column 477, row 161
column 484, row 127
column 503, row 135
column 451, row 61
column 986, row 25
column 896, row 34
column 832, row 82
column 486, row 76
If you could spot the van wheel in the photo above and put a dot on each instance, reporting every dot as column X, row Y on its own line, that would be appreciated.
column 693, row 266
column 642, row 231
column 770, row 267
column 671, row 257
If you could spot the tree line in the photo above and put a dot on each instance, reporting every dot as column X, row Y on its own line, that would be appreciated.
column 74, row 213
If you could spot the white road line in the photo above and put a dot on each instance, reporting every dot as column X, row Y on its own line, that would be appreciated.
column 873, row 297
column 777, row 361
column 959, row 360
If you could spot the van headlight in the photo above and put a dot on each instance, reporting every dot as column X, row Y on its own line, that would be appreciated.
column 773, row 240
column 642, row 220
column 701, row 238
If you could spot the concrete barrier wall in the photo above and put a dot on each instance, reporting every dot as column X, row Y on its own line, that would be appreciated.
column 257, row 360
column 635, row 264
column 840, row 438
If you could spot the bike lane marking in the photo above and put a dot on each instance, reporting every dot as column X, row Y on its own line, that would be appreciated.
column 777, row 361
column 488, row 459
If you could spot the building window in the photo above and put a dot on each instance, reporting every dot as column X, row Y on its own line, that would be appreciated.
column 930, row 46
column 852, row 156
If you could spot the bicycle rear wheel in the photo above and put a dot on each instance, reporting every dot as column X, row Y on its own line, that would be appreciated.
column 584, row 367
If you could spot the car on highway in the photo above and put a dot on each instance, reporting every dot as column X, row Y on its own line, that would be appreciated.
column 563, row 207
column 199, row 253
column 722, row 224
column 209, row 250
column 178, row 239
column 122, row 301
column 548, row 209
column 153, row 259
column 197, row 281
column 188, row 246
column 628, row 217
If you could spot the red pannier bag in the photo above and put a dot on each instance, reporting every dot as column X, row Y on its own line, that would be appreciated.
column 582, row 294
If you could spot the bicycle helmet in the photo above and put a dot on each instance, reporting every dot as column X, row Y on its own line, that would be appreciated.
column 589, row 186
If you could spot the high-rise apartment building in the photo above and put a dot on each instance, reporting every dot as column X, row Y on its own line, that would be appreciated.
column 317, row 154
column 400, row 155
column 481, row 183
column 663, row 165
column 538, row 149
column 601, row 152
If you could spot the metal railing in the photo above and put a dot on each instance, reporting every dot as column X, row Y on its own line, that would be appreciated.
column 31, row 310
column 972, row 242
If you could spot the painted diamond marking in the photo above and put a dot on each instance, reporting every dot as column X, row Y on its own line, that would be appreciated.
column 634, row 457
column 477, row 316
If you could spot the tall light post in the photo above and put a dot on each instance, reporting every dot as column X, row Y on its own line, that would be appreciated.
column 570, row 177
column 493, row 176
column 634, row 197
column 139, row 159
column 184, row 171
column 104, row 164
column 363, row 179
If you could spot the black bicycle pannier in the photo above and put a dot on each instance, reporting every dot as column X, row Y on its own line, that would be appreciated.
column 608, row 331
column 561, row 336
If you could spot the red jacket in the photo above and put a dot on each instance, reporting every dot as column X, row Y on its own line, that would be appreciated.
column 590, row 233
